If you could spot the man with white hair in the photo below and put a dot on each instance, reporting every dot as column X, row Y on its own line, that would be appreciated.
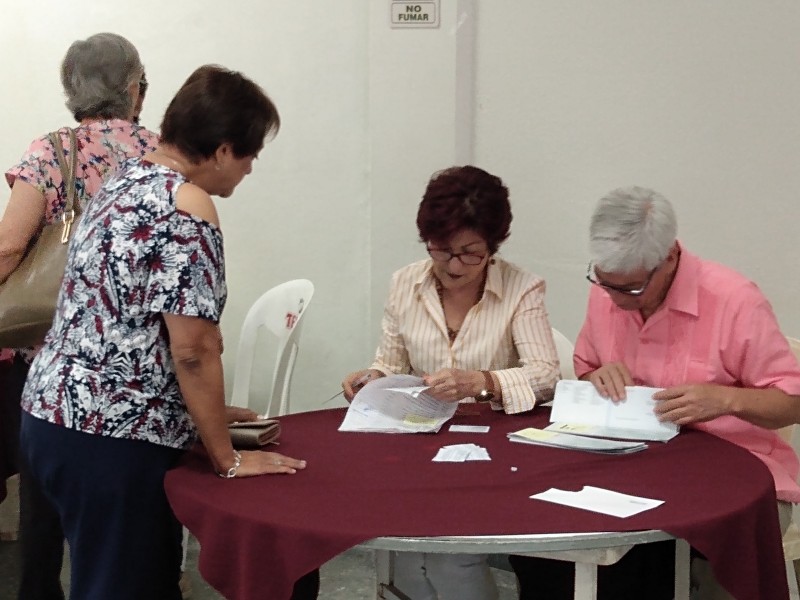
column 660, row 316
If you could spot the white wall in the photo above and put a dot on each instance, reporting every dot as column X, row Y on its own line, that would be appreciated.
column 572, row 98
column 698, row 100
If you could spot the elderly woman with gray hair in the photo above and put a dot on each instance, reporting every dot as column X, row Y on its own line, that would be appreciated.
column 100, row 76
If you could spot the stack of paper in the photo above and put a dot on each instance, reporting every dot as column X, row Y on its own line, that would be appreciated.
column 540, row 437
column 461, row 453
column 396, row 404
column 579, row 409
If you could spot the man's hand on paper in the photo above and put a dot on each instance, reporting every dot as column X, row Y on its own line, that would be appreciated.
column 356, row 380
column 610, row 380
column 696, row 403
column 452, row 385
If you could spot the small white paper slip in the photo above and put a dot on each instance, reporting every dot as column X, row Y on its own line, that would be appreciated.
column 469, row 428
column 461, row 453
column 600, row 500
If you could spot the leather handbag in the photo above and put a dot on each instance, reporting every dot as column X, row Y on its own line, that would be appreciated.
column 28, row 296
column 254, row 434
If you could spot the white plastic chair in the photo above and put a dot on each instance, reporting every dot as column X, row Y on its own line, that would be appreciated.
column 278, row 311
column 791, row 539
column 565, row 350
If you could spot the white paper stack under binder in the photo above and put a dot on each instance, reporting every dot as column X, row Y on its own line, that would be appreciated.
column 579, row 409
column 541, row 437
column 396, row 404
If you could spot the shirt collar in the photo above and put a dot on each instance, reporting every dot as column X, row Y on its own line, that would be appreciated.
column 683, row 292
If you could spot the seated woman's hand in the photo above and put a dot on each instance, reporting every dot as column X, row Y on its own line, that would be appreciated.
column 610, row 380
column 358, row 379
column 237, row 414
column 452, row 385
column 255, row 462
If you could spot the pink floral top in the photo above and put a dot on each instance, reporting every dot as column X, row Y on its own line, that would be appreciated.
column 102, row 147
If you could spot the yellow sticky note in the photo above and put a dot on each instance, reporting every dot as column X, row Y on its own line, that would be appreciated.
column 535, row 434
column 419, row 420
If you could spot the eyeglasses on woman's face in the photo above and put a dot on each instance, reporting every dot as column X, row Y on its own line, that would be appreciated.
column 445, row 256
column 633, row 289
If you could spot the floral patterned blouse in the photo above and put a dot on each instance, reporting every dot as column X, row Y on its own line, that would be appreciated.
column 106, row 367
column 102, row 147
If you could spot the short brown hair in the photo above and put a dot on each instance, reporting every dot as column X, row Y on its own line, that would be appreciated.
column 217, row 106
column 465, row 198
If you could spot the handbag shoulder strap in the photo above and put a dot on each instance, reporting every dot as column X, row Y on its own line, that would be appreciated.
column 68, row 175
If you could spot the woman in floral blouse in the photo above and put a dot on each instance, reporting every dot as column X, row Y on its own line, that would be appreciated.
column 131, row 369
column 100, row 77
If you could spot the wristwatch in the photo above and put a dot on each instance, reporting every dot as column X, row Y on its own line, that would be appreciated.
column 487, row 393
column 231, row 473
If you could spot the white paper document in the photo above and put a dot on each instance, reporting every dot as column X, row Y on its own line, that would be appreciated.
column 461, row 453
column 600, row 500
column 579, row 409
column 567, row 441
column 396, row 404
column 469, row 428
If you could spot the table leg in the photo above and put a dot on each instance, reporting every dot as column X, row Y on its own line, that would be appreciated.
column 384, row 577
column 585, row 581
column 683, row 561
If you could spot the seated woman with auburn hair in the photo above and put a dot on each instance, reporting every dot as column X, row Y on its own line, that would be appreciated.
column 475, row 328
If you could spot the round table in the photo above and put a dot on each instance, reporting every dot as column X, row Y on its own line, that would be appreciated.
column 258, row 535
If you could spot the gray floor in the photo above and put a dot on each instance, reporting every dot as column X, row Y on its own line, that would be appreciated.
column 350, row 576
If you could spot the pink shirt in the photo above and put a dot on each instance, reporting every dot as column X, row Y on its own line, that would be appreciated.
column 714, row 326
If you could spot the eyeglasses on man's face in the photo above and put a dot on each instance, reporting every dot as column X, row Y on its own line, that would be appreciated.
column 591, row 276
column 466, row 258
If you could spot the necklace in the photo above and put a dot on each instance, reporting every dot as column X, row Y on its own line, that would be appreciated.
column 452, row 334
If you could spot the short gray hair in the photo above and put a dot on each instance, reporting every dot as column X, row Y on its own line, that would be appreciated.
column 96, row 74
column 632, row 228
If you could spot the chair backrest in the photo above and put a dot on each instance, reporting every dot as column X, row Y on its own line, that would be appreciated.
column 278, row 311
column 565, row 349
column 790, row 433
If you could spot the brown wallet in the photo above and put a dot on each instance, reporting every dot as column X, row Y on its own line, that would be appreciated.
column 254, row 434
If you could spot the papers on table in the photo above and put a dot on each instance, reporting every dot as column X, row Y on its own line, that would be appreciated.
column 469, row 428
column 461, row 453
column 541, row 437
column 396, row 404
column 579, row 409
column 600, row 500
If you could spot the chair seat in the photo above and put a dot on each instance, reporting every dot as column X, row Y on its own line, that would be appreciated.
column 791, row 542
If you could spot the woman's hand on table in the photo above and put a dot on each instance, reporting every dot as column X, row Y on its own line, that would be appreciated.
column 255, row 462
column 358, row 379
column 452, row 385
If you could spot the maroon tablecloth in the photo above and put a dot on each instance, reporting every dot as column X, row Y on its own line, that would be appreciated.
column 258, row 535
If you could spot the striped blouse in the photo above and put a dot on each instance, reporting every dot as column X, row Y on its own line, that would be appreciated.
column 506, row 332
